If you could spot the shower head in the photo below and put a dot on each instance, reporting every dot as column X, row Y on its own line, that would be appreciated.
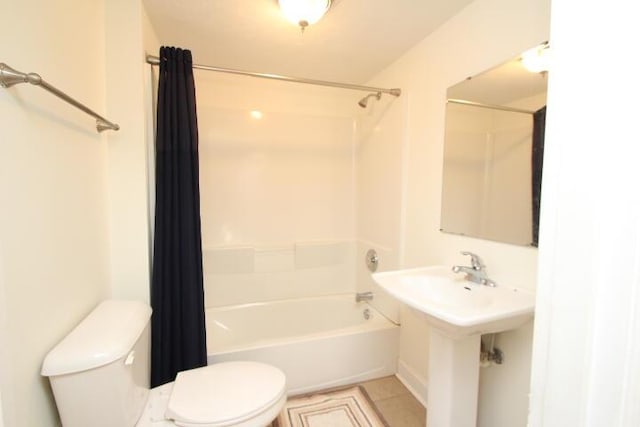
column 363, row 101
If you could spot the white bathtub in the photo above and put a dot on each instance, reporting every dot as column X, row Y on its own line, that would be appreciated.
column 318, row 342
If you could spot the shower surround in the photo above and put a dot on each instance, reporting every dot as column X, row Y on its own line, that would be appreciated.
column 280, row 182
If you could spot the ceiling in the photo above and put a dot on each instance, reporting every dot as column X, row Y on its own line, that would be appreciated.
column 353, row 42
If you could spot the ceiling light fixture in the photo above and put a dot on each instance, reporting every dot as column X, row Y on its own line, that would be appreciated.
column 304, row 12
column 537, row 60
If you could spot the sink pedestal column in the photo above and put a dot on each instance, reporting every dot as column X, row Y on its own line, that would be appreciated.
column 454, row 371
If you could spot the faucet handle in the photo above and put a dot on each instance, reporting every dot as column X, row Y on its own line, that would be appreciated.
column 476, row 261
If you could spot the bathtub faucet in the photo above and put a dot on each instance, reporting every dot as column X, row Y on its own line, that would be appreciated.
column 364, row 296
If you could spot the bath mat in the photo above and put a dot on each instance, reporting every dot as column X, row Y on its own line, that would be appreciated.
column 350, row 407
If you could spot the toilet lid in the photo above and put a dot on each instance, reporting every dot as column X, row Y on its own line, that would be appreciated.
column 224, row 393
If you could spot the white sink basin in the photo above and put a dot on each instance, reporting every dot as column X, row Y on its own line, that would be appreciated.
column 456, row 306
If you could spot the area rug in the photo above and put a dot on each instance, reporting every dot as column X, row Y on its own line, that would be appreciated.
column 350, row 407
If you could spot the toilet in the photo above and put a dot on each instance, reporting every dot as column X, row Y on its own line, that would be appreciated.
column 99, row 374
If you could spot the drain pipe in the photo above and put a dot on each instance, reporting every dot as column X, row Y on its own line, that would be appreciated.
column 492, row 355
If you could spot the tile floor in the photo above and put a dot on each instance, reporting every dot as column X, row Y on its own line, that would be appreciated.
column 396, row 404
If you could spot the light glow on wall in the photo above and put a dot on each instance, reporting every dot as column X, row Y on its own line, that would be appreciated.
column 536, row 60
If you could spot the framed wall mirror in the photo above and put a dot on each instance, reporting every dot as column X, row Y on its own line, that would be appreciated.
column 494, row 139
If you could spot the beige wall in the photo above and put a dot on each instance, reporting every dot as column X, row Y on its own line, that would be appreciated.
column 127, row 32
column 54, row 242
column 483, row 35
column 77, row 230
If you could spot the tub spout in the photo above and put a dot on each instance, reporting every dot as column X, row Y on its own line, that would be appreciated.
column 364, row 296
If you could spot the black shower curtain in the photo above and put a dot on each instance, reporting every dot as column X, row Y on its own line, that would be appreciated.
column 537, row 154
column 178, row 340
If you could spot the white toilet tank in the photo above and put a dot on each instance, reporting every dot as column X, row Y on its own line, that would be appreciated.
column 99, row 372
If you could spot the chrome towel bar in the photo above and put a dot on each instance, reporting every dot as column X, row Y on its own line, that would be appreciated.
column 10, row 77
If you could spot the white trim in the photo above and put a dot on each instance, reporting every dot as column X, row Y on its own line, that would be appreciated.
column 586, row 354
column 5, row 369
column 1, row 417
column 416, row 384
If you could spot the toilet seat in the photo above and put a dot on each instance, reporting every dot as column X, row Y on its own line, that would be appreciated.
column 226, row 394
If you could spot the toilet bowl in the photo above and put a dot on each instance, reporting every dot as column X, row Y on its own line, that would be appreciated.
column 99, row 374
column 238, row 394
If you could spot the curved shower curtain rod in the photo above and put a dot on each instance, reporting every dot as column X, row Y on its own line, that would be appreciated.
column 154, row 60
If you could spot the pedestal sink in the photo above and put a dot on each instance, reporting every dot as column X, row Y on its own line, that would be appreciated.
column 459, row 312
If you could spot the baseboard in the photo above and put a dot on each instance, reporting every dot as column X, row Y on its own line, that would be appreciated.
column 415, row 383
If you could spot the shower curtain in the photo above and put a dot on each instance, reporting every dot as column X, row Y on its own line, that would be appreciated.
column 178, row 339
column 537, row 154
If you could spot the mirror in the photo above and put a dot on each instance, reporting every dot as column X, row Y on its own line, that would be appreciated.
column 494, row 138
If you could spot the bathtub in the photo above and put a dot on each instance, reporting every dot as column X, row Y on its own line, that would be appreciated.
column 318, row 342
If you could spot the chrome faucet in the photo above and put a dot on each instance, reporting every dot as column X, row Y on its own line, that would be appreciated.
column 476, row 273
column 364, row 296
